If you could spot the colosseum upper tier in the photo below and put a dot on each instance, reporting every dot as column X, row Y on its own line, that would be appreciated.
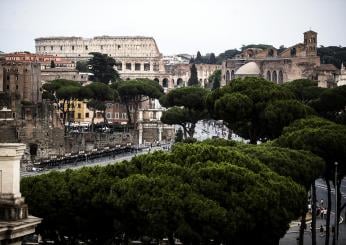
column 79, row 48
column 136, row 56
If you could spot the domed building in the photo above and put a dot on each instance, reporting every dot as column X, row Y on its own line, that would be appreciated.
column 250, row 69
column 296, row 62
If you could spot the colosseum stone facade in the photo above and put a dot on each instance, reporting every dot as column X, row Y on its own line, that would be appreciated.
column 137, row 56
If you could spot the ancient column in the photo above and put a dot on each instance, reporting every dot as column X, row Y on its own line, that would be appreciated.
column 140, row 134
column 14, row 219
column 160, row 133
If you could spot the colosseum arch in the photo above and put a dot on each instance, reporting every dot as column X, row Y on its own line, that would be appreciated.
column 232, row 75
column 275, row 77
column 180, row 82
column 268, row 77
column 165, row 83
column 280, row 78
column 227, row 76
column 156, row 79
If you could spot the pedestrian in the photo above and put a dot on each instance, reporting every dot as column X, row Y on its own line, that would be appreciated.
column 322, row 213
column 321, row 203
column 321, row 230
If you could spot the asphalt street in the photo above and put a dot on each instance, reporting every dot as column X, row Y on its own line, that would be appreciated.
column 321, row 193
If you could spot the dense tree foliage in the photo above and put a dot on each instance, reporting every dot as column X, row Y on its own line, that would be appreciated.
column 331, row 104
column 304, row 90
column 332, row 55
column 82, row 66
column 98, row 94
column 102, row 66
column 193, row 80
column 325, row 139
column 186, row 107
column 198, row 59
column 197, row 193
column 133, row 92
column 254, row 108
column 62, row 92
column 215, row 79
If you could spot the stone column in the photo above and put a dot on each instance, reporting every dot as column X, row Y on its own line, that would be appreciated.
column 140, row 134
column 14, row 219
column 10, row 155
column 140, row 116
column 160, row 133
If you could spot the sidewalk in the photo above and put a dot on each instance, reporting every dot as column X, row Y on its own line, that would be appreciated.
column 293, row 233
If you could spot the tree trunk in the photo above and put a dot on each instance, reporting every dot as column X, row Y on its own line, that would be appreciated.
column 313, row 222
column 339, row 207
column 302, row 227
column 171, row 239
column 93, row 120
column 128, row 113
column 185, row 131
column 191, row 130
column 328, row 213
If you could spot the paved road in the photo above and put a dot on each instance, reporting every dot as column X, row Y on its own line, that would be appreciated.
column 321, row 192
column 95, row 162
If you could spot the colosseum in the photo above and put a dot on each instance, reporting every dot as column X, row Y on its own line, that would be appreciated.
column 137, row 56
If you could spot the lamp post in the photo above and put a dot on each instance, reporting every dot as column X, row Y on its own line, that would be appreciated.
column 336, row 204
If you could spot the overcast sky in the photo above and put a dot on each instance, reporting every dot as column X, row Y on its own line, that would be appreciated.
column 178, row 26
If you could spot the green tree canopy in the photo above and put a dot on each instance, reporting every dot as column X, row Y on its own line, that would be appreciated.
column 331, row 104
column 136, row 91
column 248, row 105
column 62, row 92
column 304, row 90
column 196, row 192
column 215, row 79
column 186, row 107
column 82, row 66
column 193, row 80
column 102, row 66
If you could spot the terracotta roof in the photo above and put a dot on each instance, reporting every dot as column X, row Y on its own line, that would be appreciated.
column 326, row 67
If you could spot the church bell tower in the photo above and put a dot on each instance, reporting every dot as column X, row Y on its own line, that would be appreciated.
column 310, row 42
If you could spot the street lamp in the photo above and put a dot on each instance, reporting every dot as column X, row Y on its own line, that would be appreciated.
column 336, row 204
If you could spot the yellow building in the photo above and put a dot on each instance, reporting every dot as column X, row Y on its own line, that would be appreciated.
column 79, row 112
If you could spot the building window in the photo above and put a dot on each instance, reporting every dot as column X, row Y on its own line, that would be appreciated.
column 79, row 105
column 17, row 87
column 147, row 67
column 156, row 67
column 44, row 48
column 108, row 115
column 79, row 115
column 51, row 47
column 116, row 115
column 119, row 66
column 137, row 67
column 128, row 66
column 101, row 47
column 8, row 87
column 72, row 47
column 119, row 46
column 86, row 47
column 60, row 48
column 87, row 115
column 124, row 115
column 8, row 78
